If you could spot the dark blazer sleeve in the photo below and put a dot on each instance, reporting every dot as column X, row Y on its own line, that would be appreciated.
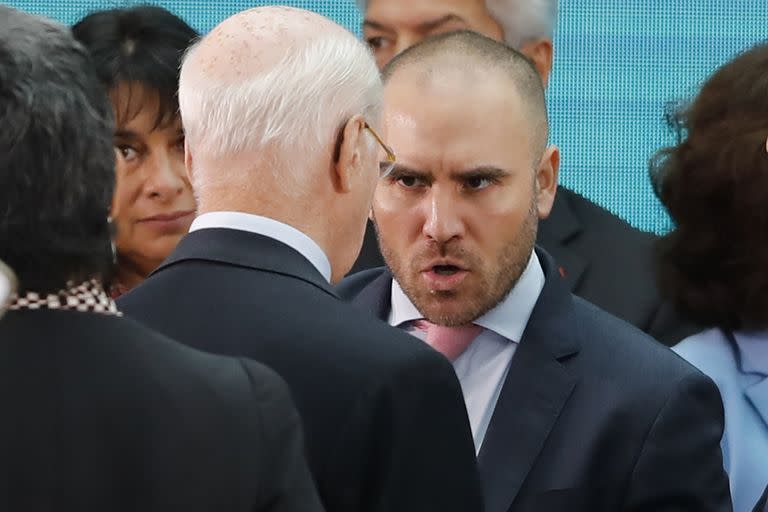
column 287, row 485
column 414, row 434
column 680, row 466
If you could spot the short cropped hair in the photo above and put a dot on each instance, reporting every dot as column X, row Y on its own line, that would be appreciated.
column 139, row 45
column 714, row 184
column 292, row 110
column 521, row 20
column 478, row 55
column 57, row 163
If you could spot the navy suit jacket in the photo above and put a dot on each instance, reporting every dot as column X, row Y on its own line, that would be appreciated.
column 386, row 428
column 603, row 260
column 593, row 415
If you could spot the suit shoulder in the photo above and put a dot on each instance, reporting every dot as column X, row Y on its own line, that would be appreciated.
column 620, row 348
column 599, row 221
column 351, row 286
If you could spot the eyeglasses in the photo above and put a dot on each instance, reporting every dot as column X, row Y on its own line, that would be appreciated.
column 387, row 167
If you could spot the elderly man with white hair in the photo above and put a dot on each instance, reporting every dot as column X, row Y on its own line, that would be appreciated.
column 602, row 258
column 280, row 108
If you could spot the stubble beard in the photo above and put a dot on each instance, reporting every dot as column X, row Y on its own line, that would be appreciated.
column 493, row 286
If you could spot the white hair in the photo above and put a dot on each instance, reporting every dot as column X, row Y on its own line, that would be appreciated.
column 521, row 20
column 288, row 115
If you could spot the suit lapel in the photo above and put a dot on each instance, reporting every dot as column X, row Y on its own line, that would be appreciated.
column 245, row 249
column 751, row 353
column 757, row 394
column 377, row 296
column 534, row 392
column 556, row 233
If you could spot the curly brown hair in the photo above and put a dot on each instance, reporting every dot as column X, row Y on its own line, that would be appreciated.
column 714, row 183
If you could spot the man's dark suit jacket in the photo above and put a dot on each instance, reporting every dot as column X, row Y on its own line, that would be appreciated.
column 593, row 415
column 101, row 414
column 762, row 504
column 602, row 258
column 383, row 414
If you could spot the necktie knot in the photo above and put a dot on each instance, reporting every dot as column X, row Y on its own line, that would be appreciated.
column 449, row 341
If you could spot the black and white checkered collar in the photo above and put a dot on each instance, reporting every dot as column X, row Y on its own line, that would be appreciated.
column 89, row 296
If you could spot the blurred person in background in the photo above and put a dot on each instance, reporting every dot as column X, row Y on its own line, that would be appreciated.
column 601, row 257
column 137, row 53
column 713, row 264
column 98, row 412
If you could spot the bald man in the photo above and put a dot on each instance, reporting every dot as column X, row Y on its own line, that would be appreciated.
column 602, row 258
column 571, row 409
column 280, row 109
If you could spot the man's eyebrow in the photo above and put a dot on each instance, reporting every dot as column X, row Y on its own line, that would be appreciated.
column 433, row 24
column 424, row 26
column 375, row 25
column 402, row 170
column 485, row 171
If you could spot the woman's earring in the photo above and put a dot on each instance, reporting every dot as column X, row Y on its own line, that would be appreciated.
column 112, row 235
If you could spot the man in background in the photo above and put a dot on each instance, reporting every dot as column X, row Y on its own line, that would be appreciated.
column 280, row 110
column 602, row 258
column 571, row 409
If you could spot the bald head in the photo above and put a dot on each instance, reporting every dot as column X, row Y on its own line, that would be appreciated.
column 464, row 60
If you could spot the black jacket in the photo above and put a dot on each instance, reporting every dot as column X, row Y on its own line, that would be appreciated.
column 383, row 414
column 593, row 415
column 101, row 414
column 603, row 260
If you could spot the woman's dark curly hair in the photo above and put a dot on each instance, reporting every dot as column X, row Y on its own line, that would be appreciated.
column 714, row 183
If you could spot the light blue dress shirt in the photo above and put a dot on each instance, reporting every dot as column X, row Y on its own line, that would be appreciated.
column 265, row 226
column 739, row 368
column 483, row 367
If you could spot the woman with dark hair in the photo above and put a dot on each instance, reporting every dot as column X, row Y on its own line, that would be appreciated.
column 137, row 53
column 714, row 263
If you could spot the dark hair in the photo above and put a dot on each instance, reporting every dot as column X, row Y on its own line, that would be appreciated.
column 453, row 50
column 56, row 155
column 714, row 183
column 140, row 45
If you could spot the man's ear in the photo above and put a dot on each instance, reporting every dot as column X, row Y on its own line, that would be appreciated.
column 546, row 180
column 540, row 52
column 350, row 154
column 188, row 161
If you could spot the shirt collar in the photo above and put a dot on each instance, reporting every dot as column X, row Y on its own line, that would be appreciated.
column 508, row 319
column 753, row 347
column 265, row 226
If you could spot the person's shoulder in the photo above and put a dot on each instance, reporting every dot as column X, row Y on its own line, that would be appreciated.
column 626, row 352
column 351, row 286
column 711, row 352
column 600, row 222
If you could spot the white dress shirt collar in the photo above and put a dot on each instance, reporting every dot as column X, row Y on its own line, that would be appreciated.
column 271, row 228
column 508, row 319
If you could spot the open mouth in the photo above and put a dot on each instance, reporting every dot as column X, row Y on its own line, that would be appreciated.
column 445, row 270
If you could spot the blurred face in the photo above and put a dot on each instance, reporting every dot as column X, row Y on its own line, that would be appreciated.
column 392, row 26
column 457, row 217
column 153, row 205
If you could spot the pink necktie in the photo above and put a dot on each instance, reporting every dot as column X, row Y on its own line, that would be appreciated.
column 449, row 341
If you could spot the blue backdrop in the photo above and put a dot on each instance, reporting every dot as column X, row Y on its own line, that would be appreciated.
column 617, row 64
